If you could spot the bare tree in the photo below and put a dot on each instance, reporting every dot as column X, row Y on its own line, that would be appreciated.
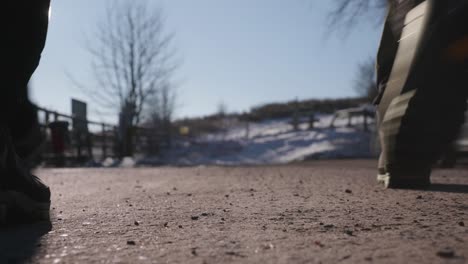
column 346, row 13
column 133, row 64
column 161, row 108
column 365, row 82
column 221, row 109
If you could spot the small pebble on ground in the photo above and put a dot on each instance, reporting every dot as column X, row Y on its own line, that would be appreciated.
column 446, row 253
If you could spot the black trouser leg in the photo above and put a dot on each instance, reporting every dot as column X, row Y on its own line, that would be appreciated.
column 23, row 26
column 23, row 29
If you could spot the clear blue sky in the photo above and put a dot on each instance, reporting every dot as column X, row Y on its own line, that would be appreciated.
column 241, row 52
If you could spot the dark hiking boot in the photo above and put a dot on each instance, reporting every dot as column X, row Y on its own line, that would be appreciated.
column 408, row 180
column 415, row 131
column 405, row 179
column 23, row 196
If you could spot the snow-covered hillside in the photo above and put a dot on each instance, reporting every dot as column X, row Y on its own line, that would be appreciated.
column 274, row 142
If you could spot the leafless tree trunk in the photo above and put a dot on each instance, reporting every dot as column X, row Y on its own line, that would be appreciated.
column 365, row 82
column 132, row 63
column 162, row 105
column 221, row 109
column 222, row 118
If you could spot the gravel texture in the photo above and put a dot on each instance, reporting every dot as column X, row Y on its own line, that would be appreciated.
column 318, row 212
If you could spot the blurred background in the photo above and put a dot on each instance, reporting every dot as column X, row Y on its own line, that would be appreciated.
column 125, row 83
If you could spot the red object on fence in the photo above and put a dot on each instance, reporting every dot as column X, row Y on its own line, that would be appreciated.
column 59, row 134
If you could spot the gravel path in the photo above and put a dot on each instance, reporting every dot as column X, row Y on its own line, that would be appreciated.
column 328, row 212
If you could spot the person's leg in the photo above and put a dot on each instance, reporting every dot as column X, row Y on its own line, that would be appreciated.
column 23, row 197
column 423, row 105
column 26, row 35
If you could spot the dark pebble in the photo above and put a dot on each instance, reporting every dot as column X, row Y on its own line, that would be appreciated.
column 461, row 223
column 348, row 191
column 446, row 253
column 136, row 223
column 318, row 243
column 195, row 217
column 131, row 243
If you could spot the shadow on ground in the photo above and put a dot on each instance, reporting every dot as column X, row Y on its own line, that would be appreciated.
column 19, row 244
column 449, row 188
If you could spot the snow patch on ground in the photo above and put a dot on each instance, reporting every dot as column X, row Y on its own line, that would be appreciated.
column 273, row 142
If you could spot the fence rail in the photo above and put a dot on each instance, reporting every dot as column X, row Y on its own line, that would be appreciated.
column 98, row 142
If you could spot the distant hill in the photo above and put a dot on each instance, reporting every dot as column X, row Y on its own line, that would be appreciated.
column 304, row 107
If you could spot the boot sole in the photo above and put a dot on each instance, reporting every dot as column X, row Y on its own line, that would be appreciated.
column 16, row 207
column 395, row 183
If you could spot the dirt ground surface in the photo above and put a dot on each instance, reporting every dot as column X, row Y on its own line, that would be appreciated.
column 319, row 212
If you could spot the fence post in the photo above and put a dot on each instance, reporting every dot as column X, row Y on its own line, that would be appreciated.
column 78, row 140
column 46, row 118
column 89, row 143
column 104, row 146
column 366, row 127
column 117, row 143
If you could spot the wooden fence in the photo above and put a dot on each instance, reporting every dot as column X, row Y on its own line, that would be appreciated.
column 98, row 143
